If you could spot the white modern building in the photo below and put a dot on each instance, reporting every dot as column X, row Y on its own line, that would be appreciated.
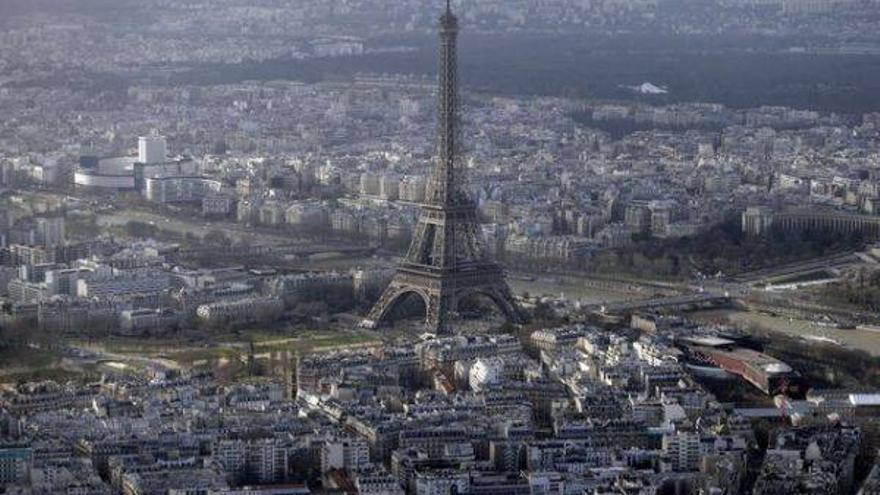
column 241, row 310
column 485, row 372
column 682, row 449
column 180, row 189
column 152, row 150
column 351, row 454
column 140, row 321
column 123, row 285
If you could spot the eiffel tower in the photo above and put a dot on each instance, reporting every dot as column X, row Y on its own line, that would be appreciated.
column 445, row 263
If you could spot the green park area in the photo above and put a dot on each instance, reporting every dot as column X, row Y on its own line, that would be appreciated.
column 25, row 363
column 228, row 347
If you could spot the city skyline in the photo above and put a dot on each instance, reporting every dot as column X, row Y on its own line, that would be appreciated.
column 262, row 247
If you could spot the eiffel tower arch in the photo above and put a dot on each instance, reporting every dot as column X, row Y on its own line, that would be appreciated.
column 446, row 263
column 442, row 297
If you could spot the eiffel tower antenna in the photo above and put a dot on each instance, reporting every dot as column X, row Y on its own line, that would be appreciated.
column 445, row 263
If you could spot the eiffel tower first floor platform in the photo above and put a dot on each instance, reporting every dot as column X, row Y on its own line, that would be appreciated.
column 442, row 292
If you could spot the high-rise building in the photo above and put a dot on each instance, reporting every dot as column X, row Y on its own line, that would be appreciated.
column 352, row 454
column 682, row 450
column 6, row 173
column 253, row 460
column 15, row 464
column 152, row 150
column 50, row 231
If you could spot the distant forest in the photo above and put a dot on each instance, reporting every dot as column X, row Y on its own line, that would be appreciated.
column 736, row 72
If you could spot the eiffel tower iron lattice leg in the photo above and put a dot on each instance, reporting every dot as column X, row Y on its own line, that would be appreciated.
column 446, row 263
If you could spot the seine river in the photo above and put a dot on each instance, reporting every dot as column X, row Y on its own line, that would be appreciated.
column 809, row 331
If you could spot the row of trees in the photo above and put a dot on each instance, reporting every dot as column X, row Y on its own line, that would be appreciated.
column 723, row 248
column 861, row 289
